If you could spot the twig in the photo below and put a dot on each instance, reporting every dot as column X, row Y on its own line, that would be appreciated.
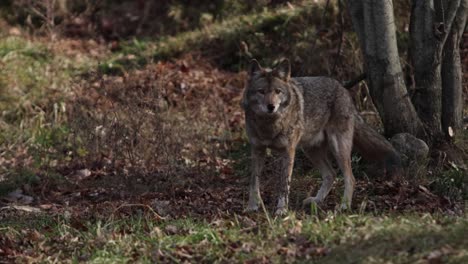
column 266, row 213
column 140, row 205
column 317, row 31
column 321, row 24
column 337, row 57
column 146, row 12
column 324, row 12
column 24, row 208
column 355, row 81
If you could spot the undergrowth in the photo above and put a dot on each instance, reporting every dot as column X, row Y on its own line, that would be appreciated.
column 328, row 238
column 232, row 42
column 140, row 156
column 35, row 86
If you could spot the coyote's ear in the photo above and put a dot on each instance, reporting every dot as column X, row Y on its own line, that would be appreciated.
column 254, row 67
column 284, row 69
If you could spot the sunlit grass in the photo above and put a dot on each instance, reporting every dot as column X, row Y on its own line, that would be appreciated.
column 35, row 85
column 229, row 32
column 330, row 238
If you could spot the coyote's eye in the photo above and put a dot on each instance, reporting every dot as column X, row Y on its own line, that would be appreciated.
column 278, row 91
column 261, row 91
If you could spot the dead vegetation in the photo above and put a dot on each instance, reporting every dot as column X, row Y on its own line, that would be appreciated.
column 150, row 164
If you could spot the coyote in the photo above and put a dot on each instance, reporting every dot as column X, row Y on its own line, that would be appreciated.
column 314, row 114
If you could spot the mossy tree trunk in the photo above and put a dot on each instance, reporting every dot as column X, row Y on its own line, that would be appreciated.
column 373, row 21
column 435, row 31
column 431, row 21
column 452, row 89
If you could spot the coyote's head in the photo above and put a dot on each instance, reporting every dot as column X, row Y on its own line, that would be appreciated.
column 267, row 92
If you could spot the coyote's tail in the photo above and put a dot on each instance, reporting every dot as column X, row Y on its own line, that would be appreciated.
column 373, row 146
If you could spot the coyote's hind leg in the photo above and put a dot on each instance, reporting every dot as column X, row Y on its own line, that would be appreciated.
column 319, row 157
column 341, row 145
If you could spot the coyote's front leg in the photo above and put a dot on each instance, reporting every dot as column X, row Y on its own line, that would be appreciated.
column 258, row 161
column 286, row 162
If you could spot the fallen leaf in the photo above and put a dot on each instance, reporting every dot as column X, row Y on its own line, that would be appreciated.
column 297, row 228
column 161, row 207
column 450, row 131
column 247, row 222
column 426, row 191
column 14, row 31
column 435, row 257
column 79, row 175
column 171, row 229
column 46, row 206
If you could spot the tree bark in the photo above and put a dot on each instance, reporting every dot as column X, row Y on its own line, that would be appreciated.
column 452, row 89
column 373, row 21
column 430, row 21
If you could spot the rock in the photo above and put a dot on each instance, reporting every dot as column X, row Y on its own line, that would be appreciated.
column 413, row 150
column 18, row 197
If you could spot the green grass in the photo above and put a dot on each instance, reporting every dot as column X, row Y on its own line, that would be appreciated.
column 332, row 238
column 224, row 38
column 35, row 85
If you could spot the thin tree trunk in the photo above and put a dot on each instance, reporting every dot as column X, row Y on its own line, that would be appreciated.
column 452, row 89
column 373, row 22
column 430, row 21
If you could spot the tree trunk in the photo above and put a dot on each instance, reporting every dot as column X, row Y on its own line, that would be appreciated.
column 430, row 21
column 373, row 21
column 452, row 89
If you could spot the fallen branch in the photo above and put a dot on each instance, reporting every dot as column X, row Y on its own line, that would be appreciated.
column 24, row 208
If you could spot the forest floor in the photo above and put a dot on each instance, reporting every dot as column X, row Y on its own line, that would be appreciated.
column 150, row 164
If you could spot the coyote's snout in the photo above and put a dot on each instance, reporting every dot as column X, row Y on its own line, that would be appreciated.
column 314, row 114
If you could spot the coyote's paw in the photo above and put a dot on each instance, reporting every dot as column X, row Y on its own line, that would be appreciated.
column 281, row 211
column 311, row 200
column 251, row 208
